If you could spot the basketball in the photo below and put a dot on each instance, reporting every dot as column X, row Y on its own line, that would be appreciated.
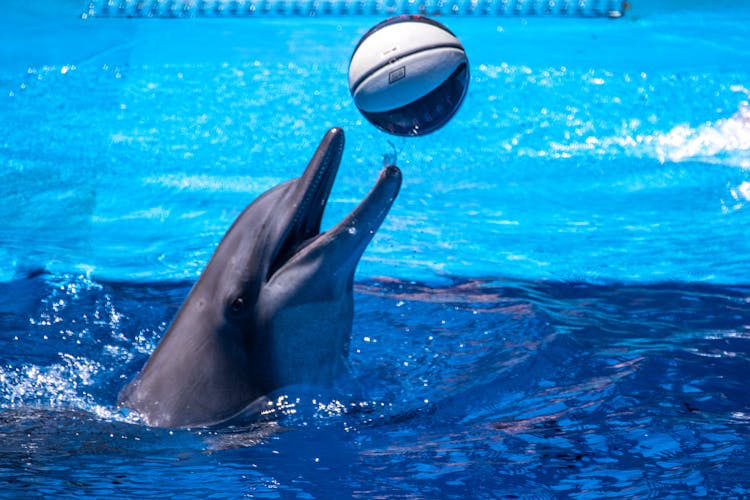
column 408, row 75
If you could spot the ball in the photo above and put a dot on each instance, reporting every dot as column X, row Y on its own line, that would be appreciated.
column 409, row 75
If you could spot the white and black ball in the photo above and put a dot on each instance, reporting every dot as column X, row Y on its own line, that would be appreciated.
column 409, row 75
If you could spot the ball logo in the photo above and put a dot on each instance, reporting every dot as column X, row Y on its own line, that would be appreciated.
column 387, row 52
column 396, row 75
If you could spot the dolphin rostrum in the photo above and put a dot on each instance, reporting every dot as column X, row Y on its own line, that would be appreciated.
column 272, row 308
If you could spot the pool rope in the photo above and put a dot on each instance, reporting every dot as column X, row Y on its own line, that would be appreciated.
column 250, row 8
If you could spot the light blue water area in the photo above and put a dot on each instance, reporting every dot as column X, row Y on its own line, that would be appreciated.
column 557, row 304
column 586, row 149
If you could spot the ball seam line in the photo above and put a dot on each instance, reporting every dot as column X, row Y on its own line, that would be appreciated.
column 374, row 70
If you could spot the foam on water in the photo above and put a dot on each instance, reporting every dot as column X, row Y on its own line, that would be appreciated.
column 576, row 126
column 725, row 141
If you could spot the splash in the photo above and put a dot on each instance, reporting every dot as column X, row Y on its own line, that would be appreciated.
column 58, row 386
column 725, row 141
column 64, row 347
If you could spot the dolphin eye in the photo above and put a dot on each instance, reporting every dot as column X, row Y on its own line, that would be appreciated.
column 238, row 304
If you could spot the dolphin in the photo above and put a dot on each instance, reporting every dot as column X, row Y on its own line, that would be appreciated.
column 273, row 307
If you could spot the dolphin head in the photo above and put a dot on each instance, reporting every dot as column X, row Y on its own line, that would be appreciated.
column 272, row 308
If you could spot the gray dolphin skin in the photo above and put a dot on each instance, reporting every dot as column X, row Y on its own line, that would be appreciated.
column 272, row 308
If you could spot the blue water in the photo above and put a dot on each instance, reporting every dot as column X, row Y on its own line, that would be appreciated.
column 557, row 305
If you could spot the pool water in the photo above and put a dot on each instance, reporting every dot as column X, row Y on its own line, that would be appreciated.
column 557, row 305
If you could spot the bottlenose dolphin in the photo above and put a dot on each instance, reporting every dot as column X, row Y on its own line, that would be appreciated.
column 272, row 308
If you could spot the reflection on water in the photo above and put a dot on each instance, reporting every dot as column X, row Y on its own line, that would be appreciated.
column 564, row 388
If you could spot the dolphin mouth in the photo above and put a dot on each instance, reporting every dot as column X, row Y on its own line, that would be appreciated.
column 312, row 191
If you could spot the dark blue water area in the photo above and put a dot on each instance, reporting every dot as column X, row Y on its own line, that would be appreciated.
column 475, row 389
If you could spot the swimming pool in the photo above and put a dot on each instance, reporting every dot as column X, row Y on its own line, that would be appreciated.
column 557, row 304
